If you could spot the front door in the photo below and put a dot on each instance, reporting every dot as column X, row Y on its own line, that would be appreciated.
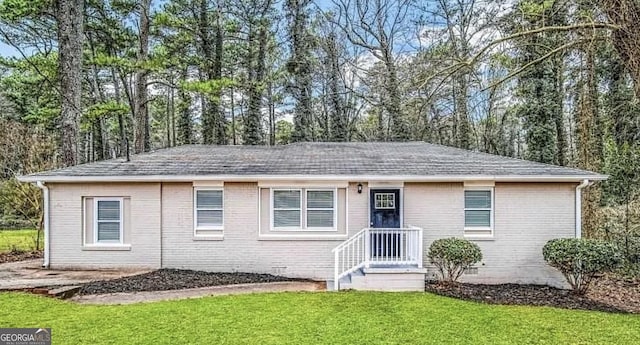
column 385, row 214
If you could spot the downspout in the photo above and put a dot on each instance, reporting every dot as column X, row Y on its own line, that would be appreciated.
column 45, row 195
column 579, row 188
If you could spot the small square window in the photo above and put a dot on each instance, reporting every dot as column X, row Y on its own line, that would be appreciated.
column 385, row 201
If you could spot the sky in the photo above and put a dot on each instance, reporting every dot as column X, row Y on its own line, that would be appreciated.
column 7, row 50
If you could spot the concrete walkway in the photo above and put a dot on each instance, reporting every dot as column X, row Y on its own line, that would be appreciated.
column 154, row 296
column 29, row 274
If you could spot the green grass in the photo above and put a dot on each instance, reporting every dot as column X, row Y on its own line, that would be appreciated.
column 316, row 318
column 18, row 239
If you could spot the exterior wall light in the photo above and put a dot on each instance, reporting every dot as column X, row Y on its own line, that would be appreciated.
column 359, row 188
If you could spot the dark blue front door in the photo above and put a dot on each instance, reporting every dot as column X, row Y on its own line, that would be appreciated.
column 385, row 208
column 385, row 213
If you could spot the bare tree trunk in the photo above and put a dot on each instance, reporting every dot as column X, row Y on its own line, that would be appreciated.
column 213, row 120
column 590, row 142
column 167, row 118
column 185, row 123
column 561, row 132
column 100, row 142
column 172, row 99
column 299, row 67
column 206, row 73
column 121, row 126
column 272, row 115
column 220, row 121
column 233, row 115
column 462, row 112
column 141, row 120
column 337, row 115
column 70, row 18
column 253, row 132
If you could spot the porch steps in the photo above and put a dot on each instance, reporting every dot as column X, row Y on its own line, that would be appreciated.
column 385, row 279
column 380, row 259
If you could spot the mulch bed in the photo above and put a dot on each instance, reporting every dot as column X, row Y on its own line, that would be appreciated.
column 622, row 293
column 174, row 279
column 14, row 256
column 537, row 295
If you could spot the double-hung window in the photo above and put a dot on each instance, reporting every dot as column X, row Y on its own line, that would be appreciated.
column 303, row 209
column 320, row 209
column 209, row 209
column 287, row 208
column 108, row 225
column 478, row 211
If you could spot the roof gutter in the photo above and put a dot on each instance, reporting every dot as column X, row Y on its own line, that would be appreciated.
column 582, row 185
column 255, row 178
column 45, row 195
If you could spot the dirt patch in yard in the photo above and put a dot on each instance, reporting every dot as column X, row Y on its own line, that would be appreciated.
column 17, row 255
column 539, row 295
column 174, row 279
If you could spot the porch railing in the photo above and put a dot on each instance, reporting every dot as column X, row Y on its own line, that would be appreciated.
column 378, row 247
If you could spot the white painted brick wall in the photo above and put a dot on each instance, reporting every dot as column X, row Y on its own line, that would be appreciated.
column 241, row 249
column 526, row 216
column 66, row 226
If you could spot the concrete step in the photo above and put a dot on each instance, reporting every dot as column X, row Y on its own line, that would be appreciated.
column 64, row 292
column 387, row 279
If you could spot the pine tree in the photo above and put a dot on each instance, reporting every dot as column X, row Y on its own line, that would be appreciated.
column 70, row 19
column 299, row 67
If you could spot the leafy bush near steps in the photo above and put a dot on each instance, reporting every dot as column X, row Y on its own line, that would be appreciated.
column 581, row 260
column 452, row 256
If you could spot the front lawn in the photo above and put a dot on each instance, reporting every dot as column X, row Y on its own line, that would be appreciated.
column 22, row 240
column 316, row 318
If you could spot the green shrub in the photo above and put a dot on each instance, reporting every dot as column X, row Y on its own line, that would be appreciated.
column 581, row 260
column 452, row 256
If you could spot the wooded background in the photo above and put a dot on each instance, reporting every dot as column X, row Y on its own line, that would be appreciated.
column 550, row 81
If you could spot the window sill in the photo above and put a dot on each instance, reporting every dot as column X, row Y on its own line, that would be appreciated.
column 301, row 237
column 107, row 247
column 210, row 228
column 479, row 237
column 302, row 230
column 208, row 238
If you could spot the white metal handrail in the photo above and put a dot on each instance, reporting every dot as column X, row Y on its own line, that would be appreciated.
column 378, row 247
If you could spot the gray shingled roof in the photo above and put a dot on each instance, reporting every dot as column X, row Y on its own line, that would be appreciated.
column 347, row 159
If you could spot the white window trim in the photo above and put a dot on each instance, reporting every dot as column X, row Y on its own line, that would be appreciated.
column 333, row 209
column 491, row 215
column 95, row 221
column 195, row 211
column 393, row 194
column 300, row 208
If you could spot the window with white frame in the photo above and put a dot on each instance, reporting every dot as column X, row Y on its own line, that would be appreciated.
column 209, row 209
column 385, row 201
column 287, row 208
column 303, row 209
column 320, row 209
column 478, row 209
column 108, row 225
